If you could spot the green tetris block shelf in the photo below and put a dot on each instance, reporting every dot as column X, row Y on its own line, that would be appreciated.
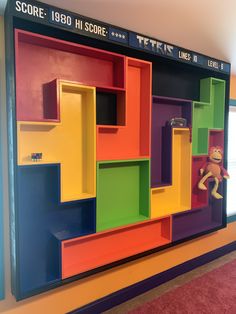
column 123, row 192
column 208, row 113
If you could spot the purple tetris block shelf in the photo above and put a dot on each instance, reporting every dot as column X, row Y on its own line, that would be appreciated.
column 164, row 109
column 198, row 220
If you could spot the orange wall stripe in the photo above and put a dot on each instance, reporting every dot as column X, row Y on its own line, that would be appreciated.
column 77, row 294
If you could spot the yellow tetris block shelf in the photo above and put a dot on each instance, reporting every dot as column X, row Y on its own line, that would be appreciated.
column 175, row 198
column 72, row 142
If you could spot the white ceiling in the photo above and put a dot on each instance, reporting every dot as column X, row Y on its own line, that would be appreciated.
column 206, row 26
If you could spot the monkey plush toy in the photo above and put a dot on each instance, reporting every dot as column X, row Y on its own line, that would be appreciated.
column 213, row 169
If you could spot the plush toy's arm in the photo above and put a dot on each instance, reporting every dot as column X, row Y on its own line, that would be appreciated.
column 203, row 169
column 224, row 172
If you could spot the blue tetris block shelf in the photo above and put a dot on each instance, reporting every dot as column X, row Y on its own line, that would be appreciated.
column 42, row 219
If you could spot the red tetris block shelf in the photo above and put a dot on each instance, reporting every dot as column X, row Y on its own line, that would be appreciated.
column 52, row 59
column 216, row 138
column 199, row 197
column 82, row 254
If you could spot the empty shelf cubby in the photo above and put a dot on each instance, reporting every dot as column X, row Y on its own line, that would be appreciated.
column 123, row 193
column 163, row 110
column 208, row 113
column 83, row 254
column 110, row 109
column 166, row 200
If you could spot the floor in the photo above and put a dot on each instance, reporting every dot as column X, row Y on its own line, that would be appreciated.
column 179, row 281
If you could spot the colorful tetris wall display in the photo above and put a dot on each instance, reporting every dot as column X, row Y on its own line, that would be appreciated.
column 101, row 176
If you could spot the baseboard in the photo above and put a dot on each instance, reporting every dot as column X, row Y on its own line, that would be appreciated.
column 136, row 289
column 231, row 219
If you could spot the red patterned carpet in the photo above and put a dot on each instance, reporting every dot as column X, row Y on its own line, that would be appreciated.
column 212, row 293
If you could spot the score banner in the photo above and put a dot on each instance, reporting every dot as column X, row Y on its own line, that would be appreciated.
column 45, row 14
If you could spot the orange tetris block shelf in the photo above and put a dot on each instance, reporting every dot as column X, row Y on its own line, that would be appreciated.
column 85, row 253
column 71, row 142
column 175, row 198
column 131, row 138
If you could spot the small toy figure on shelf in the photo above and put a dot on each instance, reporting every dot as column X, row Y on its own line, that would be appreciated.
column 36, row 157
column 177, row 123
column 213, row 169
